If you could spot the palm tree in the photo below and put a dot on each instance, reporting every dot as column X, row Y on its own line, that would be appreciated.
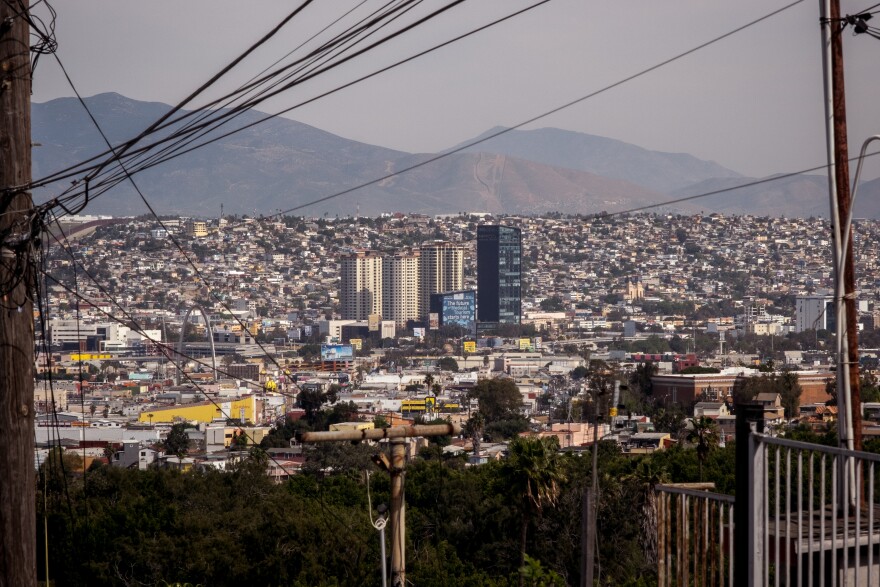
column 534, row 474
column 646, row 477
column 705, row 435
column 474, row 429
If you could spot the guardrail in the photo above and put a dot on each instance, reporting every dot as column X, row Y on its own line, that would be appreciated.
column 805, row 515
column 694, row 537
column 817, row 514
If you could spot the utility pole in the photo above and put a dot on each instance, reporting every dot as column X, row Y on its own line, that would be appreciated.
column 590, row 497
column 18, row 563
column 395, row 467
column 849, row 393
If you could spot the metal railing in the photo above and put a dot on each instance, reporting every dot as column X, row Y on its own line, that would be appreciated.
column 816, row 517
column 694, row 537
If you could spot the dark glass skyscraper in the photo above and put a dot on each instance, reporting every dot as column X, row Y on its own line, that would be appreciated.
column 499, row 274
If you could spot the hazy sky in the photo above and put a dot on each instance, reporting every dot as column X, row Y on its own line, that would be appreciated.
column 752, row 102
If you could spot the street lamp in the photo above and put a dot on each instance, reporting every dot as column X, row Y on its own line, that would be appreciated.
column 845, row 232
column 379, row 525
column 380, row 522
column 844, row 389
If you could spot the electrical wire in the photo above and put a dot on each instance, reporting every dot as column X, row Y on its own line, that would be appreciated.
column 130, row 320
column 192, row 264
column 167, row 355
column 178, row 152
column 545, row 114
column 168, row 120
column 206, row 110
column 719, row 191
column 190, row 133
column 127, row 145
column 162, row 224
column 55, row 425
column 74, row 192
column 173, row 239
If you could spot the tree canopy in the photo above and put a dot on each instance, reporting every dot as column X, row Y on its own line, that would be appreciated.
column 177, row 441
column 500, row 402
column 448, row 364
column 464, row 524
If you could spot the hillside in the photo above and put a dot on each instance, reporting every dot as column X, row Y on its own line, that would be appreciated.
column 654, row 170
column 282, row 164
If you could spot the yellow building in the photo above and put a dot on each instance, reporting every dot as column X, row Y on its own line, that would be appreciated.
column 347, row 426
column 246, row 409
column 196, row 228
column 219, row 437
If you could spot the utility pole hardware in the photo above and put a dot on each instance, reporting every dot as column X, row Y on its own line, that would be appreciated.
column 397, row 435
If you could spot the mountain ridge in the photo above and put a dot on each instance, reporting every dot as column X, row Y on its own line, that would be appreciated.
column 282, row 164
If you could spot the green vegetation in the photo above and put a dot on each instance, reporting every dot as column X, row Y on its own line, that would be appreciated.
column 465, row 525
column 704, row 435
column 177, row 441
column 552, row 304
column 499, row 401
column 448, row 364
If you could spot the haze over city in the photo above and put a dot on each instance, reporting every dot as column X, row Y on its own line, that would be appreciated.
column 752, row 102
column 436, row 292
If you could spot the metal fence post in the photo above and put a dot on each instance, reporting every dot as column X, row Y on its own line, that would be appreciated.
column 749, row 498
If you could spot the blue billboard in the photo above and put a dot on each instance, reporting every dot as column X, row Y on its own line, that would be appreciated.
column 456, row 308
column 337, row 352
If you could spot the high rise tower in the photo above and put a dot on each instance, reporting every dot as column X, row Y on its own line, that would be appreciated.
column 401, row 287
column 499, row 274
column 360, row 288
column 442, row 270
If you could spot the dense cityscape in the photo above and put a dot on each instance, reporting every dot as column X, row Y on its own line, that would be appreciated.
column 513, row 327
column 478, row 294
column 693, row 291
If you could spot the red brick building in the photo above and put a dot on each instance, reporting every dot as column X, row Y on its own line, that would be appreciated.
column 685, row 390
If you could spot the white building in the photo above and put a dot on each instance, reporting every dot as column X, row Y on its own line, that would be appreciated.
column 442, row 270
column 814, row 313
column 61, row 331
column 400, row 288
column 360, row 290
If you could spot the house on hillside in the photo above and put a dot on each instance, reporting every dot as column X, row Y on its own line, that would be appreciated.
column 774, row 413
column 648, row 442
column 710, row 410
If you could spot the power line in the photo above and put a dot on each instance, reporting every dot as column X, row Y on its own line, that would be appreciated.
column 206, row 110
column 123, row 148
column 130, row 319
column 166, row 121
column 162, row 224
column 197, row 129
column 202, row 278
column 522, row 123
column 723, row 190
column 168, row 356
column 547, row 113
column 174, row 240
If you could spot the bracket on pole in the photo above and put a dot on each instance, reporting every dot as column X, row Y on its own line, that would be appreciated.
column 395, row 467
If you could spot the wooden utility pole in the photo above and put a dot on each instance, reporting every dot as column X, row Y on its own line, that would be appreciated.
column 844, row 203
column 398, row 513
column 17, row 503
column 395, row 467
